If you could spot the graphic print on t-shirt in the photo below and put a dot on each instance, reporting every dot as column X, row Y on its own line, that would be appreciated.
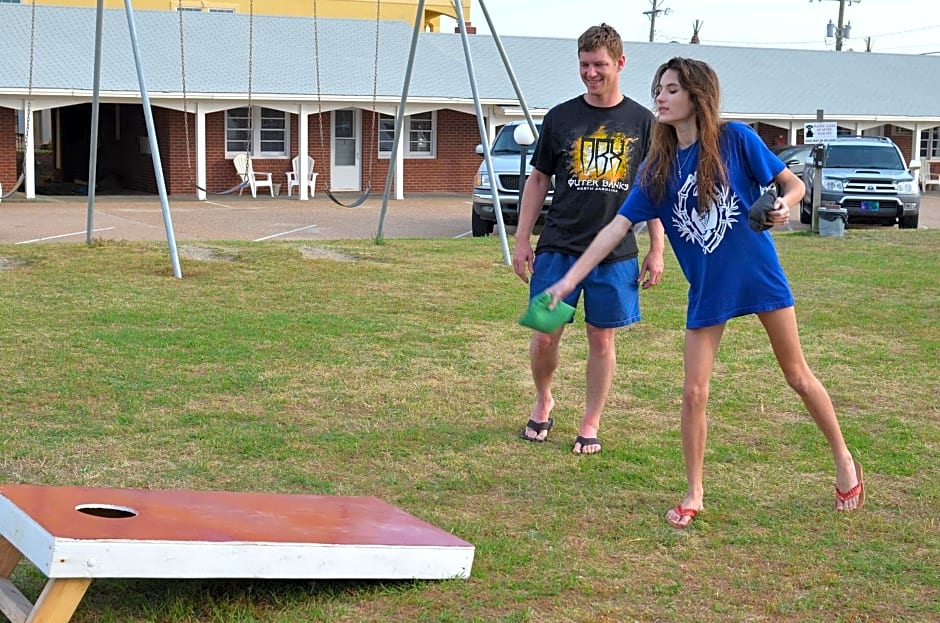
column 709, row 229
column 600, row 161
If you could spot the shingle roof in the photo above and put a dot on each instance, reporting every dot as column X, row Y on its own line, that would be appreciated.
column 756, row 82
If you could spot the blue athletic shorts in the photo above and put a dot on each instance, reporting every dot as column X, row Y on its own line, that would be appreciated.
column 611, row 293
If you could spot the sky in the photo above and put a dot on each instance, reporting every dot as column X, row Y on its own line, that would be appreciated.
column 893, row 26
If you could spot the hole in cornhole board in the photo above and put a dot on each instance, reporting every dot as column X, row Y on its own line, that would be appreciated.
column 106, row 511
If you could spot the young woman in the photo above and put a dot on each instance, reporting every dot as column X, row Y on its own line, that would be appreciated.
column 699, row 179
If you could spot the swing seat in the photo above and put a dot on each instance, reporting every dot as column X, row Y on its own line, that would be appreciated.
column 355, row 203
column 16, row 187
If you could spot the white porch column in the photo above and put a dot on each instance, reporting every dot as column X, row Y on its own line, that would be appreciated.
column 490, row 129
column 920, row 175
column 399, row 157
column 303, row 150
column 400, row 170
column 200, row 153
column 29, row 154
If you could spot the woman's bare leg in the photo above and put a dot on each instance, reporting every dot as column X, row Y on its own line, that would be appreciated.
column 701, row 346
column 784, row 337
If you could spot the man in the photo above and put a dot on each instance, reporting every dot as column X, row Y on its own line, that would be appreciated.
column 592, row 145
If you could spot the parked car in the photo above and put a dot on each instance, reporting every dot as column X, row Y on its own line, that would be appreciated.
column 794, row 156
column 867, row 176
column 506, row 155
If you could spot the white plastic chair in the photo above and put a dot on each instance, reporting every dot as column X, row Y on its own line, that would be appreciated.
column 247, row 173
column 293, row 176
column 930, row 176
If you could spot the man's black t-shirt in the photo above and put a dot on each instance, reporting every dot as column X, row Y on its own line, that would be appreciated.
column 594, row 154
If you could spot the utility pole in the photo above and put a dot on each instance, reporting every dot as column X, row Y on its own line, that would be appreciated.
column 653, row 12
column 842, row 30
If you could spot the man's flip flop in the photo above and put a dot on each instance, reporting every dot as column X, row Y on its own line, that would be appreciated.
column 682, row 512
column 858, row 489
column 585, row 441
column 538, row 427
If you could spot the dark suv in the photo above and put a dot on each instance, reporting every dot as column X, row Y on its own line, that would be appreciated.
column 867, row 176
column 506, row 154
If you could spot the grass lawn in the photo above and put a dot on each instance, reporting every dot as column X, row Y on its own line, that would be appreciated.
column 398, row 370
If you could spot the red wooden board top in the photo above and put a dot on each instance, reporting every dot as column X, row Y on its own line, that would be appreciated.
column 219, row 516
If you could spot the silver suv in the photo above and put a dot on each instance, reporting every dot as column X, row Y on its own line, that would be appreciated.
column 867, row 176
column 506, row 154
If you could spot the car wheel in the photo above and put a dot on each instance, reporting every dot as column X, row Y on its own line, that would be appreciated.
column 806, row 213
column 478, row 226
column 908, row 222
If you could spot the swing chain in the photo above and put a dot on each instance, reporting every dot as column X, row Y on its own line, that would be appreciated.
column 316, row 61
column 29, row 87
column 189, row 156
column 251, row 32
column 375, row 87
column 28, row 108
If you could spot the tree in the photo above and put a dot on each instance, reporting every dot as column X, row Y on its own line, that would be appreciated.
column 696, row 27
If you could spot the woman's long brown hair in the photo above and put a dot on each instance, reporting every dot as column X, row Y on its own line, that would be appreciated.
column 701, row 81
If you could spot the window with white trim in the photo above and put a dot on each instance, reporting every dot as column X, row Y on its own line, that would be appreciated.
column 930, row 143
column 264, row 134
column 419, row 135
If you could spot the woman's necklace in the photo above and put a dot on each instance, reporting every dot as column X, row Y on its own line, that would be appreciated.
column 681, row 163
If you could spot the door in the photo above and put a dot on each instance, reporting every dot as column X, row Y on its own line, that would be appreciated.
column 345, row 174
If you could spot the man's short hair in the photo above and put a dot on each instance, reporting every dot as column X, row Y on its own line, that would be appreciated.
column 603, row 36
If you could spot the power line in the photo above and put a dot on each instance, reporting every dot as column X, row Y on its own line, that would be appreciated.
column 905, row 32
column 878, row 38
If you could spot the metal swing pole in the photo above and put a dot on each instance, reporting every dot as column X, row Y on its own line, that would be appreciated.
column 152, row 138
column 151, row 133
column 399, row 118
column 512, row 75
column 93, row 151
column 484, row 139
column 477, row 107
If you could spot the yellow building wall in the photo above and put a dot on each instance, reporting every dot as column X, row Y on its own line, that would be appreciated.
column 390, row 9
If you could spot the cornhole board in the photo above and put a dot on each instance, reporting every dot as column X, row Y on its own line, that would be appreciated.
column 76, row 534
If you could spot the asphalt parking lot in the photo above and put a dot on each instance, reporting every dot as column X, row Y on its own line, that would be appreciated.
column 65, row 219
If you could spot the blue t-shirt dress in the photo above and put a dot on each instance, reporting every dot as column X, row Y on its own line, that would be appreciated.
column 732, row 270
